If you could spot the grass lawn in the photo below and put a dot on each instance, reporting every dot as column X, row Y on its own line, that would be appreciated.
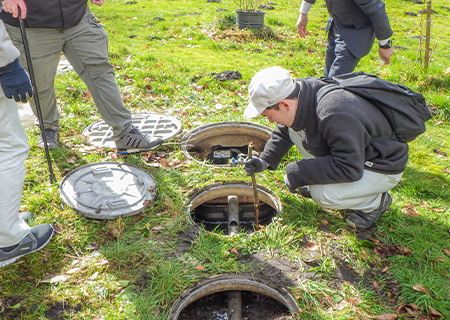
column 165, row 54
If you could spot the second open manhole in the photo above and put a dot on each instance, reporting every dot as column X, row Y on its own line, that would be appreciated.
column 229, row 207
column 221, row 143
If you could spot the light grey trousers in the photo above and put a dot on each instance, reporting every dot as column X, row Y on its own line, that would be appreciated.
column 13, row 151
column 364, row 194
column 86, row 47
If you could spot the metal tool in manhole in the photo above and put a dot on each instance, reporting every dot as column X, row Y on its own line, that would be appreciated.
column 154, row 124
column 229, row 207
column 233, row 297
column 224, row 143
column 108, row 190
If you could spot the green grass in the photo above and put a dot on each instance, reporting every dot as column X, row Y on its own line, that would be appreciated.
column 136, row 267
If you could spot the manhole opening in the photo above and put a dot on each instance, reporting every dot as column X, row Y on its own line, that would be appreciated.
column 234, row 297
column 224, row 143
column 214, row 215
column 229, row 208
column 254, row 306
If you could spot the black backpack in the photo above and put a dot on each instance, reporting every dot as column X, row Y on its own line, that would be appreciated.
column 405, row 109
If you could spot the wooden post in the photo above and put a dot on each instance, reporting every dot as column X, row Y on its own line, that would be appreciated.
column 428, row 35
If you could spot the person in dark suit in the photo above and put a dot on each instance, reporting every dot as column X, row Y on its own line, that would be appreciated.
column 352, row 28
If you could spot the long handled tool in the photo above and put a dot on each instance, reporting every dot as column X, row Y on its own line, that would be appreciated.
column 255, row 191
column 36, row 98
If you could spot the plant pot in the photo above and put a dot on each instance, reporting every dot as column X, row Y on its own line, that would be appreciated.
column 249, row 19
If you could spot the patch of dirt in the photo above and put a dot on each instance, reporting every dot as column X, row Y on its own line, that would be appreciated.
column 255, row 306
column 62, row 310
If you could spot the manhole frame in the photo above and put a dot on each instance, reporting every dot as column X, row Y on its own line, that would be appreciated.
column 246, row 189
column 232, row 282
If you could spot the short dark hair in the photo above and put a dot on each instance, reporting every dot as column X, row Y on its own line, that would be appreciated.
column 293, row 95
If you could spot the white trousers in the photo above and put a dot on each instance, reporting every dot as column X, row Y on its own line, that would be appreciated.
column 364, row 194
column 13, row 151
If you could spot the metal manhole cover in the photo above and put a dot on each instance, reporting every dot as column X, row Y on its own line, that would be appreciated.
column 107, row 190
column 155, row 124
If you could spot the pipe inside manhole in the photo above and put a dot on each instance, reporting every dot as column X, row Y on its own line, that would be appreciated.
column 209, row 299
column 224, row 143
column 229, row 207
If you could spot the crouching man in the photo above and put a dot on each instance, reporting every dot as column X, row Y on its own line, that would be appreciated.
column 341, row 168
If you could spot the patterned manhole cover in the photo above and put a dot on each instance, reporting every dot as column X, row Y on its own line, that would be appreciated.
column 107, row 190
column 155, row 124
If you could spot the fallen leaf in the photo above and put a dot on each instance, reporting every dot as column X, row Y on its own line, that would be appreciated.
column 434, row 312
column 164, row 162
column 311, row 246
column 411, row 212
column 147, row 203
column 387, row 316
column 156, row 229
column 376, row 286
column 419, row 288
column 200, row 267
column 447, row 252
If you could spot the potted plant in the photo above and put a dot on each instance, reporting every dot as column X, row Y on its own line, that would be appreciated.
column 248, row 14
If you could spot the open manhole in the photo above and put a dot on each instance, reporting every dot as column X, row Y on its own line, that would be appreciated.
column 229, row 207
column 108, row 190
column 154, row 124
column 222, row 143
column 234, row 297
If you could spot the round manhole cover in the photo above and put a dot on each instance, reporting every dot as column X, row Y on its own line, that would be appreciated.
column 154, row 124
column 108, row 190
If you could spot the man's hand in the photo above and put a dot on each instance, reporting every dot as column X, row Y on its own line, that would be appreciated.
column 15, row 82
column 97, row 2
column 254, row 165
column 385, row 54
column 301, row 25
column 13, row 7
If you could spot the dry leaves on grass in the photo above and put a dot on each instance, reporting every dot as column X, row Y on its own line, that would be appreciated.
column 387, row 316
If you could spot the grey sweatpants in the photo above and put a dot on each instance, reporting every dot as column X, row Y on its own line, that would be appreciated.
column 86, row 47
column 364, row 194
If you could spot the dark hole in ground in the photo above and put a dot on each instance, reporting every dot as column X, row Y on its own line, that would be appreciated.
column 213, row 215
column 255, row 306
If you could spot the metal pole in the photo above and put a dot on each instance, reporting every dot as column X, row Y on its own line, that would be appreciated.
column 255, row 191
column 233, row 215
column 235, row 305
column 36, row 98
column 428, row 35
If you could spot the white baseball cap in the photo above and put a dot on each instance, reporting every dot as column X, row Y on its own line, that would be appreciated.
column 267, row 88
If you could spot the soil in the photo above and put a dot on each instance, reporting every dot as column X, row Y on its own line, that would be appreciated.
column 254, row 307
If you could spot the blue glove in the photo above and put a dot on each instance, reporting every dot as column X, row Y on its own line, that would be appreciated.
column 15, row 82
column 254, row 165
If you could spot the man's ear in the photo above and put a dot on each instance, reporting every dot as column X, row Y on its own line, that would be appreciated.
column 284, row 104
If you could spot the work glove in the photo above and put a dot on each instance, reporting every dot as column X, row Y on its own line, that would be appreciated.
column 254, row 165
column 15, row 82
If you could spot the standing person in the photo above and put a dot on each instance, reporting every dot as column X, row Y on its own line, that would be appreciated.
column 352, row 28
column 55, row 26
column 342, row 168
column 16, row 237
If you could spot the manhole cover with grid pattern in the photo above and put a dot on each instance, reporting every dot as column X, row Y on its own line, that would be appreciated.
column 154, row 124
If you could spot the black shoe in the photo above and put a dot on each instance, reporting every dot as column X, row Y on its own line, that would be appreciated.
column 136, row 141
column 35, row 240
column 361, row 220
column 304, row 191
column 52, row 137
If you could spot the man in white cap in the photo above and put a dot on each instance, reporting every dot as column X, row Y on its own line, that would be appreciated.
column 342, row 168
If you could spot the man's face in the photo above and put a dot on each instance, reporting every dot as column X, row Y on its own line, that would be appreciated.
column 283, row 115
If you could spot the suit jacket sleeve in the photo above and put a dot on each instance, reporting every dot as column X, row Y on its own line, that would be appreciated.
column 376, row 11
